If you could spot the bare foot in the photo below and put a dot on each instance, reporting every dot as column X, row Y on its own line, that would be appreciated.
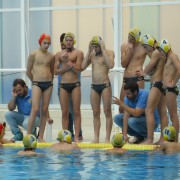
column 159, row 142
column 96, row 140
column 76, row 140
column 107, row 141
column 40, row 140
column 147, row 141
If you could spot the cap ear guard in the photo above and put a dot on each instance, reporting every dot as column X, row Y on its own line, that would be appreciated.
column 136, row 33
column 96, row 40
column 69, row 34
column 148, row 40
column 164, row 45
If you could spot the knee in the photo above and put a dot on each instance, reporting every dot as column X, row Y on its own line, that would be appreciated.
column 118, row 119
column 8, row 115
column 35, row 110
column 96, row 113
column 107, row 112
column 132, row 122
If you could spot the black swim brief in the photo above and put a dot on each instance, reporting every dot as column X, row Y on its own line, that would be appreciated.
column 70, row 86
column 100, row 87
column 134, row 79
column 174, row 90
column 43, row 85
column 159, row 85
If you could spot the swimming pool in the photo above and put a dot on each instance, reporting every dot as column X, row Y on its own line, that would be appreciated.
column 88, row 164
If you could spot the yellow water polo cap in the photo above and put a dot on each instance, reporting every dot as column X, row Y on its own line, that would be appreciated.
column 118, row 140
column 95, row 40
column 30, row 141
column 136, row 33
column 169, row 133
column 69, row 34
column 65, row 136
column 148, row 40
column 164, row 45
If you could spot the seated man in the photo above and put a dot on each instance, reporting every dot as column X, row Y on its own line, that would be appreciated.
column 30, row 144
column 118, row 143
column 22, row 98
column 65, row 142
column 133, row 120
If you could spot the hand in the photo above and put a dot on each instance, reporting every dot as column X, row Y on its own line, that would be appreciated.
column 140, row 73
column 102, row 45
column 126, row 138
column 93, row 53
column 64, row 56
column 115, row 100
column 129, row 48
column 70, row 64
column 170, row 84
column 49, row 121
column 14, row 93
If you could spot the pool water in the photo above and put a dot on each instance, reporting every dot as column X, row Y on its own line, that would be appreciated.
column 88, row 164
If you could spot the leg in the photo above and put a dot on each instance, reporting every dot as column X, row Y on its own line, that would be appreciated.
column 172, row 108
column 152, row 102
column 36, row 96
column 95, row 104
column 163, row 116
column 106, row 96
column 122, row 95
column 15, row 119
column 139, row 126
column 76, row 99
column 46, row 96
column 64, row 101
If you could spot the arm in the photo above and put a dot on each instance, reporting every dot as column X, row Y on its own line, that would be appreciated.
column 126, row 54
column 125, row 126
column 87, row 60
column 107, row 55
column 176, row 63
column 134, row 112
column 57, row 69
column 12, row 102
column 30, row 66
column 77, row 67
column 52, row 66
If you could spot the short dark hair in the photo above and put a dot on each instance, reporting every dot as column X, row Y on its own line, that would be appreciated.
column 132, row 85
column 62, row 37
column 19, row 81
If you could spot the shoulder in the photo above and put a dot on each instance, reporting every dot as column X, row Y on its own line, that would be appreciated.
column 78, row 51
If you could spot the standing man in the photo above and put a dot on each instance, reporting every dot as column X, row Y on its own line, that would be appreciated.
column 102, row 61
column 132, row 59
column 170, row 78
column 40, row 70
column 22, row 99
column 155, row 69
column 133, row 120
column 71, row 114
column 68, row 65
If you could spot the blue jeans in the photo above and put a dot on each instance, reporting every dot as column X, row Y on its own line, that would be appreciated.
column 136, row 125
column 15, row 119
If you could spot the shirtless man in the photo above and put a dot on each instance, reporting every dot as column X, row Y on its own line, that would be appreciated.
column 40, row 70
column 156, row 96
column 65, row 142
column 68, row 64
column 132, row 59
column 102, row 61
column 170, row 79
column 30, row 144
column 117, row 143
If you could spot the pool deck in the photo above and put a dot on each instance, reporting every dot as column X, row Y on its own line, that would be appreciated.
column 87, row 127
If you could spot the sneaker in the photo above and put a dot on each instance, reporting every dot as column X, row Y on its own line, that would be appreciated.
column 18, row 137
column 137, row 140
